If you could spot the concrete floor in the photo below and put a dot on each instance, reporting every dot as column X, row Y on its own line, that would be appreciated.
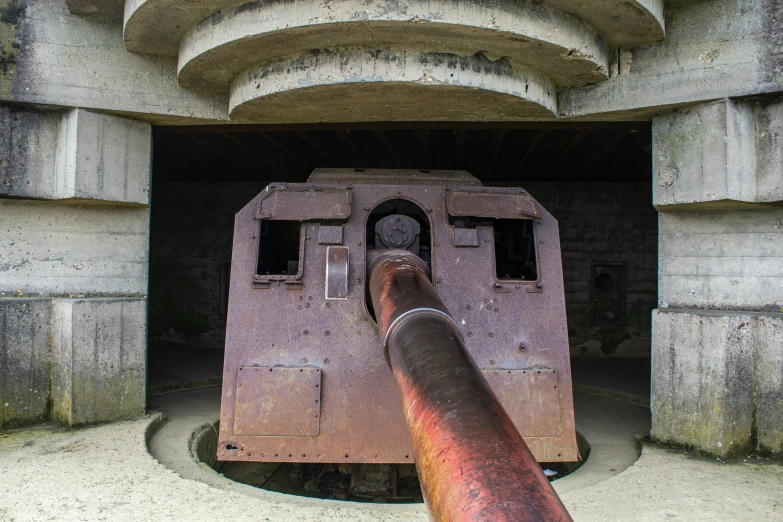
column 107, row 473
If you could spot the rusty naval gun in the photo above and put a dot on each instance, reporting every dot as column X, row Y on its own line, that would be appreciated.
column 361, row 290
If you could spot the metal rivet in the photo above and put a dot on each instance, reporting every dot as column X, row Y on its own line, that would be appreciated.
column 306, row 332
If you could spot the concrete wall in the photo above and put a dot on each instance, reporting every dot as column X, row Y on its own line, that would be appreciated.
column 25, row 360
column 75, row 230
column 190, row 249
column 739, row 170
column 712, row 49
column 53, row 57
column 717, row 373
column 605, row 223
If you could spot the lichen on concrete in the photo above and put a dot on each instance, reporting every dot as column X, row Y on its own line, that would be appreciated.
column 11, row 16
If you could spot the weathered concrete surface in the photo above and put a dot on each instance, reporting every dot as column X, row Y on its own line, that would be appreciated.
column 713, row 49
column 768, row 334
column 28, row 152
column 59, row 249
column 622, row 24
column 55, row 58
column 362, row 85
column 110, row 9
column 716, row 381
column 525, row 33
column 106, row 472
column 78, row 155
column 721, row 260
column 725, row 154
column 769, row 152
column 610, row 426
column 25, row 360
column 667, row 484
column 103, row 158
column 157, row 26
column 99, row 359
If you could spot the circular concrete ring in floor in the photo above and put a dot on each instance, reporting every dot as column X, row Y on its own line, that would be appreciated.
column 610, row 426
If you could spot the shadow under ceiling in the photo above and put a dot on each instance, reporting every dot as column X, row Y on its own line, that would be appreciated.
column 495, row 153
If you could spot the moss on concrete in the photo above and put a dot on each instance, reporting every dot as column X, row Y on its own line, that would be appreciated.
column 11, row 15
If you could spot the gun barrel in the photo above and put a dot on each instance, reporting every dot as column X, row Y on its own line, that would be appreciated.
column 472, row 462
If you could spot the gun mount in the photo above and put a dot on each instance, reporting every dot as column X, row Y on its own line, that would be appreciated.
column 305, row 377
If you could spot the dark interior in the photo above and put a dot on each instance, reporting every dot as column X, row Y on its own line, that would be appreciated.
column 595, row 178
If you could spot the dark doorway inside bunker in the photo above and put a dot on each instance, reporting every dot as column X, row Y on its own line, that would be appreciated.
column 595, row 178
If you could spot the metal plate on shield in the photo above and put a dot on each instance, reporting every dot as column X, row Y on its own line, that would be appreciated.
column 337, row 272
column 531, row 398
column 278, row 401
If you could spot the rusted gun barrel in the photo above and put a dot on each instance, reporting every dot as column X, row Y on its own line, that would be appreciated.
column 472, row 462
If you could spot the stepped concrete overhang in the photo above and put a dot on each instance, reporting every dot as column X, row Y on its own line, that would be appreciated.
column 561, row 46
column 352, row 60
column 390, row 85
column 157, row 26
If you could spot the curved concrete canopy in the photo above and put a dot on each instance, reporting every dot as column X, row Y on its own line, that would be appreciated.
column 622, row 24
column 218, row 48
column 157, row 26
column 346, row 85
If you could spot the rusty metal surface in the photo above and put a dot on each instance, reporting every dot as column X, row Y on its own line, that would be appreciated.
column 501, row 203
column 274, row 323
column 531, row 397
column 297, row 202
column 336, row 272
column 261, row 410
column 473, row 464
column 455, row 178
column 466, row 237
column 330, row 235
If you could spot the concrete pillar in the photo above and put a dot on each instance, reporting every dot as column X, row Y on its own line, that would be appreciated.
column 25, row 360
column 99, row 355
column 73, row 265
column 77, row 155
column 717, row 379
